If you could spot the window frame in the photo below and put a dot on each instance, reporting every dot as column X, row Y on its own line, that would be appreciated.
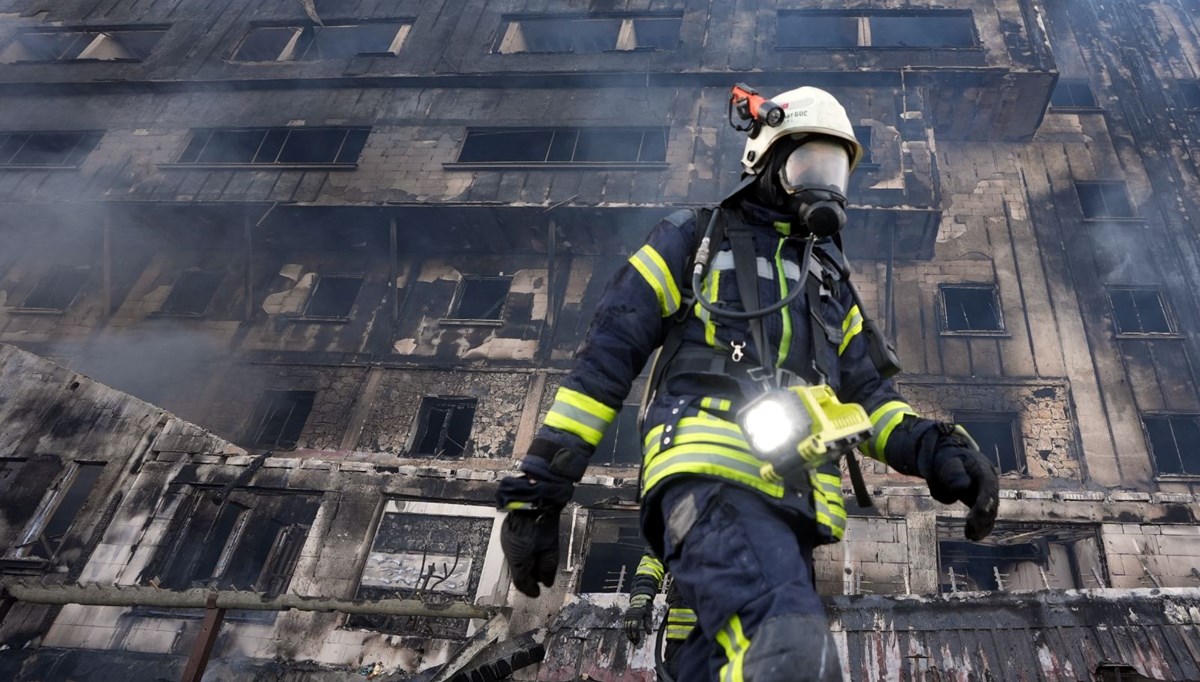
column 944, row 315
column 1169, row 416
column 609, row 514
column 102, row 33
column 84, row 137
column 259, row 414
column 1013, row 419
column 949, row 531
column 512, row 27
column 864, row 32
column 334, row 165
column 35, row 529
column 629, row 411
column 1094, row 107
column 24, row 308
column 307, row 316
column 420, row 428
column 306, row 32
column 1189, row 95
column 1100, row 185
column 1172, row 326
column 219, row 275
column 563, row 165
column 460, row 292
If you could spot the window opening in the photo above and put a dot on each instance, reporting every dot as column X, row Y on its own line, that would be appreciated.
column 1073, row 95
column 971, row 308
column 55, row 150
column 1139, row 310
column 1173, row 440
column 58, row 510
column 333, row 297
column 280, row 417
column 128, row 44
column 481, row 298
column 1019, row 557
column 192, row 293
column 56, row 290
column 1103, row 200
column 826, row 28
column 565, row 145
column 997, row 437
column 864, row 137
column 621, row 445
column 283, row 146
column 1190, row 92
column 331, row 41
column 927, row 29
column 614, row 549
column 658, row 33
column 444, row 426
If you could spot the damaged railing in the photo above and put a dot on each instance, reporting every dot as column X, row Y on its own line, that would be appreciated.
column 216, row 602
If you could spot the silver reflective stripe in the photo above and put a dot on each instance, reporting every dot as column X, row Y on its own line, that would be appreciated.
column 580, row 415
column 766, row 269
column 673, row 457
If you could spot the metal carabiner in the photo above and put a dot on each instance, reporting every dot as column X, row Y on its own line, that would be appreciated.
column 737, row 354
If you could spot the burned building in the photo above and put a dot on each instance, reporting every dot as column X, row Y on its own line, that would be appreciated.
column 285, row 286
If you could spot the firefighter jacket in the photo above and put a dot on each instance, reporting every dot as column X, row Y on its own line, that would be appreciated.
column 689, row 427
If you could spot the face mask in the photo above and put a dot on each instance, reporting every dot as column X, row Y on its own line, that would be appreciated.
column 814, row 177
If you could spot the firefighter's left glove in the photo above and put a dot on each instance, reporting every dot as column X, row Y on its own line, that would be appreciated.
column 529, row 535
column 639, row 617
column 958, row 472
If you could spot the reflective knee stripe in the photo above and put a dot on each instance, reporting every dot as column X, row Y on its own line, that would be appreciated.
column 883, row 420
column 656, row 273
column 828, row 502
column 650, row 566
column 709, row 293
column 851, row 327
column 702, row 445
column 680, row 623
column 734, row 642
column 580, row 415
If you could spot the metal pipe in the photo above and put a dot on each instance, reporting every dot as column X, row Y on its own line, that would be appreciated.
column 114, row 595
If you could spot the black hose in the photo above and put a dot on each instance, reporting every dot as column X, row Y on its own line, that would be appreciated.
column 659, row 665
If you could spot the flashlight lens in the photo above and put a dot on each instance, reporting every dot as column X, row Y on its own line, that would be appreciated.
column 775, row 117
column 768, row 425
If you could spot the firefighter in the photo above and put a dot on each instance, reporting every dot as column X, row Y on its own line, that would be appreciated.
column 769, row 304
column 639, row 616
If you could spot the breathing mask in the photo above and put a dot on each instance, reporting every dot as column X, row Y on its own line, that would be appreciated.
column 814, row 177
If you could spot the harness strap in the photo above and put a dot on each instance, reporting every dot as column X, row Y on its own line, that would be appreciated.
column 745, row 268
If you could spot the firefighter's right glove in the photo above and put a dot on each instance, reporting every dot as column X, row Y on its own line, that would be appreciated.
column 958, row 472
column 529, row 535
column 639, row 617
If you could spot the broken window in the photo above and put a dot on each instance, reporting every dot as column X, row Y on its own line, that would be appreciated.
column 56, row 514
column 564, row 145
column 997, row 437
column 192, row 293
column 1173, row 439
column 438, row 553
column 1069, row 94
column 1139, row 310
column 864, row 137
column 1119, row 672
column 333, row 298
column 279, row 418
column 621, row 445
column 835, row 28
column 1103, row 200
column 57, row 289
column 54, row 150
column 121, row 44
column 23, row 485
column 480, row 298
column 444, row 426
column 282, row 146
column 1018, row 556
column 243, row 539
column 615, row 546
column 1189, row 92
column 590, row 34
column 331, row 41
column 971, row 308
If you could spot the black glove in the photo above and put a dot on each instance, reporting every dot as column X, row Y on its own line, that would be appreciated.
column 958, row 472
column 530, row 543
column 639, row 617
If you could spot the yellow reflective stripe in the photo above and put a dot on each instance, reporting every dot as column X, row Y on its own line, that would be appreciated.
column 719, row 404
column 707, row 429
column 785, row 338
column 851, row 327
column 518, row 505
column 681, row 616
column 580, row 415
column 656, row 273
column 710, row 460
column 678, row 632
column 885, row 418
column 652, row 567
column 709, row 293
column 828, row 504
column 734, row 642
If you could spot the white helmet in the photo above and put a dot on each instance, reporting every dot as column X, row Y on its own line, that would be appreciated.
column 807, row 111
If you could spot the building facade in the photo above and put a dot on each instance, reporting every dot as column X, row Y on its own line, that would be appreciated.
column 303, row 276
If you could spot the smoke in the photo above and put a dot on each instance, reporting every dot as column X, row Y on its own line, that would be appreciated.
column 1121, row 253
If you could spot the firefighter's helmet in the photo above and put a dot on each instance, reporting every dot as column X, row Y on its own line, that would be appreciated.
column 807, row 111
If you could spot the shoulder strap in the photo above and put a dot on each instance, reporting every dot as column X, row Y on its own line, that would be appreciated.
column 745, row 269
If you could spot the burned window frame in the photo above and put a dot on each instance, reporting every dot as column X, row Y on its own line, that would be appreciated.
column 1013, row 420
column 488, row 584
column 864, row 31
column 454, row 404
column 258, row 417
column 93, row 45
column 511, row 38
column 201, row 138
column 944, row 311
column 85, row 143
column 949, row 532
column 166, row 309
column 865, row 135
column 1153, row 450
column 1073, row 87
column 305, row 36
column 628, row 519
column 569, row 136
column 1101, row 186
column 309, row 316
column 84, row 272
column 1171, row 330
column 624, row 424
column 46, row 515
column 1189, row 95
column 460, row 293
